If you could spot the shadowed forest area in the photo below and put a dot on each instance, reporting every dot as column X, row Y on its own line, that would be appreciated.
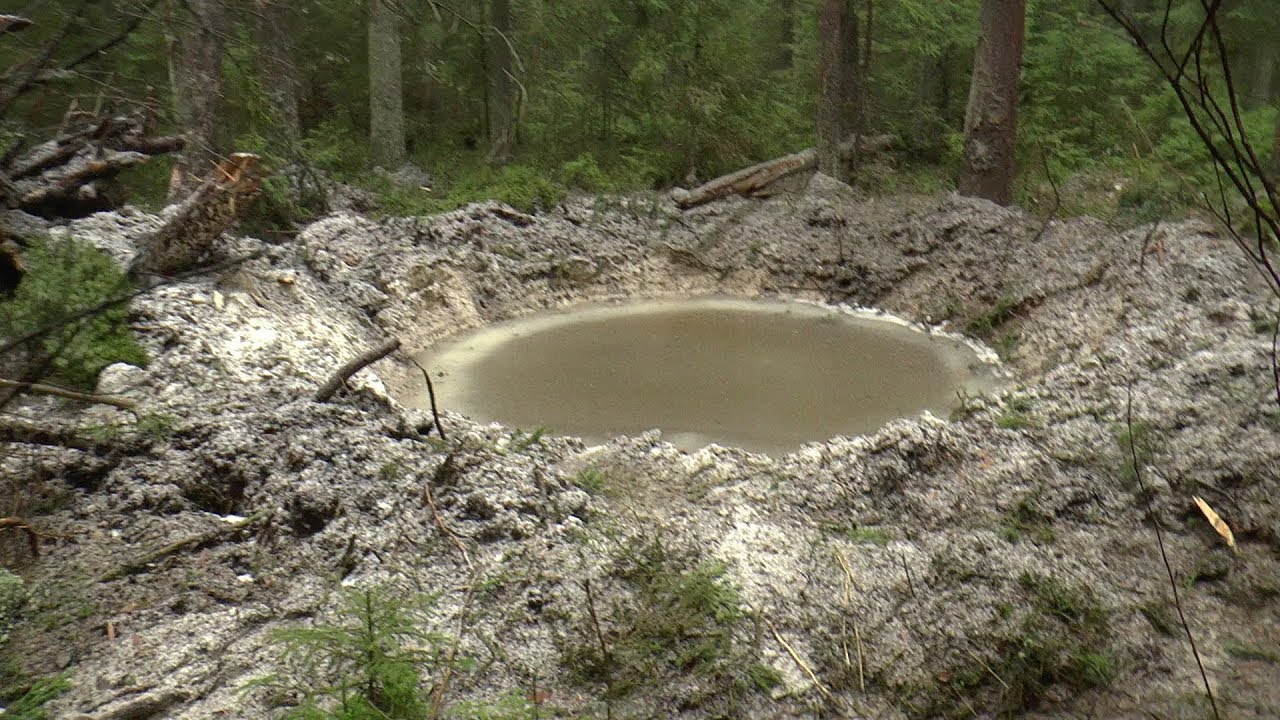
column 526, row 100
column 233, row 231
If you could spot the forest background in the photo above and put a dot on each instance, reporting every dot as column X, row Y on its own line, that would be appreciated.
column 523, row 100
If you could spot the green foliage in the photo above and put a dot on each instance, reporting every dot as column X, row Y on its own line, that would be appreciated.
column 1017, row 414
column 679, row 617
column 64, row 279
column 30, row 705
column 1026, row 520
column 512, row 706
column 524, row 188
column 1063, row 639
column 593, row 482
column 369, row 664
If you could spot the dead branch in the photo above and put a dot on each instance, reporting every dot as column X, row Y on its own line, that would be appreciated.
column 73, row 174
column 354, row 366
column 199, row 220
column 33, row 537
column 41, row 389
column 1136, row 466
column 144, row 561
column 431, row 395
column 749, row 181
column 13, row 23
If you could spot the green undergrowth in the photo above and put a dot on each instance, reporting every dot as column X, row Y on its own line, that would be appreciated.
column 68, row 287
column 1062, row 639
column 661, row 619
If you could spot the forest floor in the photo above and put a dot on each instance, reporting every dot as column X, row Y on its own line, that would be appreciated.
column 999, row 562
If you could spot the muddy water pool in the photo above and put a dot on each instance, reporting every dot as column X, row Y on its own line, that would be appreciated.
column 767, row 376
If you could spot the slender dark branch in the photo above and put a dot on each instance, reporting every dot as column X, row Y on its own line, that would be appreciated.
column 1057, row 197
column 39, row 389
column 605, row 656
column 354, row 366
column 431, row 395
column 1164, row 555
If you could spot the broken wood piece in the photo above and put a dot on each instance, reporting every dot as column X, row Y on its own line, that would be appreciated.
column 756, row 178
column 354, row 366
column 33, row 537
column 13, row 23
column 41, row 389
column 191, row 229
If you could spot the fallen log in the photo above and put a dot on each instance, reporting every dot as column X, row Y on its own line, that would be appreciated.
column 752, row 180
column 74, row 174
column 41, row 389
column 354, row 366
column 13, row 23
column 191, row 229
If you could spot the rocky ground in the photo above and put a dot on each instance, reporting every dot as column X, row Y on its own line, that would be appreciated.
column 999, row 562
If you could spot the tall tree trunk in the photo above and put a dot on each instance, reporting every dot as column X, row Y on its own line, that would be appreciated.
column 839, row 83
column 991, row 120
column 273, row 33
column 196, row 29
column 502, row 126
column 386, row 86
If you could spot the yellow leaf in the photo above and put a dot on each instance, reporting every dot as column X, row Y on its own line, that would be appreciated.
column 1218, row 524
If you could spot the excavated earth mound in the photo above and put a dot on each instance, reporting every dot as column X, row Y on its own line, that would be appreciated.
column 999, row 562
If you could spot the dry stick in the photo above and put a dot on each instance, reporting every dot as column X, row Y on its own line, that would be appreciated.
column 857, row 636
column 986, row 667
column 604, row 650
column 1164, row 555
column 431, row 394
column 910, row 585
column 1057, row 198
column 435, row 513
column 800, row 663
column 437, row 702
column 33, row 537
column 40, row 389
column 354, row 366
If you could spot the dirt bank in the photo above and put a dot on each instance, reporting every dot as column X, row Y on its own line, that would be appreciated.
column 998, row 561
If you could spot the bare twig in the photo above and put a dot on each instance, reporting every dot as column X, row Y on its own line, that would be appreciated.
column 437, row 700
column 435, row 513
column 431, row 395
column 354, row 366
column 1164, row 555
column 906, row 569
column 1057, row 197
column 41, row 389
column 33, row 537
column 605, row 655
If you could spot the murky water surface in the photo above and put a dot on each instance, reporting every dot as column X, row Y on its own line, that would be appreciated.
column 766, row 376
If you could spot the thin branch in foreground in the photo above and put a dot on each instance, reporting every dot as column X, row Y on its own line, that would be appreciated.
column 33, row 537
column 431, row 395
column 354, row 366
column 41, row 389
column 1164, row 555
column 1057, row 197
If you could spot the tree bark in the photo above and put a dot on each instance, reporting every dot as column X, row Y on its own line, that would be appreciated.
column 502, row 86
column 190, row 231
column 839, row 83
column 991, row 120
column 386, row 86
column 196, row 32
column 273, row 33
